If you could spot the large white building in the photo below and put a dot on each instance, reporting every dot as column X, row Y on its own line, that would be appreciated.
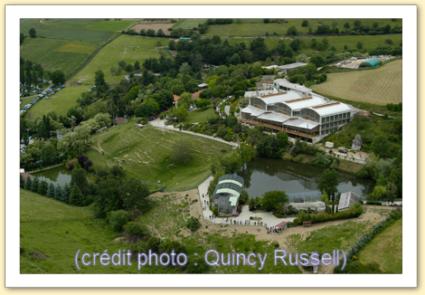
column 296, row 110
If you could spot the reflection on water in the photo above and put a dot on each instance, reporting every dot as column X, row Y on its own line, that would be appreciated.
column 56, row 175
column 299, row 181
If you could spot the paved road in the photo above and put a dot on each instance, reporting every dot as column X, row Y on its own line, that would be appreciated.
column 158, row 123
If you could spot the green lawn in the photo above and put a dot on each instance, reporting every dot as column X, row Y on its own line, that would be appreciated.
column 144, row 154
column 341, row 237
column 385, row 250
column 188, row 23
column 52, row 231
column 125, row 47
column 256, row 27
column 59, row 103
column 377, row 86
column 200, row 116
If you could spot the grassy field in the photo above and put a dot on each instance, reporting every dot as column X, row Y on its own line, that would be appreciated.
column 389, row 246
column 66, row 44
column 200, row 116
column 341, row 237
column 144, row 154
column 188, row 23
column 377, row 86
column 59, row 103
column 125, row 47
column 256, row 27
column 52, row 231
column 369, row 42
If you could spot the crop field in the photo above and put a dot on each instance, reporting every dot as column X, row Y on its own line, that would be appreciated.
column 188, row 23
column 165, row 26
column 144, row 153
column 369, row 42
column 256, row 27
column 377, row 86
column 66, row 44
column 125, row 47
column 389, row 246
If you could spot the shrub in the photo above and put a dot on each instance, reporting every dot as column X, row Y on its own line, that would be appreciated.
column 353, row 212
column 193, row 224
column 135, row 230
column 117, row 219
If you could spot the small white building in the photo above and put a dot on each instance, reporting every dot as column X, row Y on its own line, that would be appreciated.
column 346, row 200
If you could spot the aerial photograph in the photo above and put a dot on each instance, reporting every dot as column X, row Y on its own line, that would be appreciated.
column 210, row 146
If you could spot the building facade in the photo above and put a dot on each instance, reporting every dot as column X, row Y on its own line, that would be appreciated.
column 296, row 110
column 226, row 194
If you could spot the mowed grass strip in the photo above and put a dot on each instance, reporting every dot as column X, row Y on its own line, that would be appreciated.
column 385, row 250
column 144, row 154
column 377, row 86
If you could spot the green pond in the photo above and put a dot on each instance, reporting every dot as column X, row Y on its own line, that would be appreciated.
column 299, row 181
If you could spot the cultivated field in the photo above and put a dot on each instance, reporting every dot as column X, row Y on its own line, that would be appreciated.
column 125, row 47
column 369, row 42
column 377, row 86
column 144, row 153
column 66, row 44
column 154, row 25
column 256, row 27
column 385, row 250
column 189, row 23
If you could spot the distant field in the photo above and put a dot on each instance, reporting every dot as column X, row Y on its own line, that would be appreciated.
column 164, row 26
column 188, row 23
column 385, row 250
column 256, row 27
column 66, row 44
column 143, row 153
column 377, row 86
column 369, row 42
column 125, row 47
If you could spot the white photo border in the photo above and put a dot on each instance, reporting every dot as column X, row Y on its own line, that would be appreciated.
column 12, row 255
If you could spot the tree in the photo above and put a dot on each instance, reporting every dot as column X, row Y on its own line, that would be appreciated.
column 135, row 230
column 193, row 224
column 292, row 31
column 75, row 196
column 274, row 201
column 21, row 38
column 304, row 23
column 379, row 192
column 117, row 219
column 79, row 179
column 57, row 77
column 99, row 82
column 42, row 187
column 328, row 184
column 51, row 190
column 32, row 32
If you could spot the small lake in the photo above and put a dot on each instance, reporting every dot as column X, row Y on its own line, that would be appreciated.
column 299, row 181
column 58, row 175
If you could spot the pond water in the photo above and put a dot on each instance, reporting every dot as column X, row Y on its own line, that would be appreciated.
column 299, row 181
column 58, row 175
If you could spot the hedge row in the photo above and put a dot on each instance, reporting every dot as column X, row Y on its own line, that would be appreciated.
column 353, row 212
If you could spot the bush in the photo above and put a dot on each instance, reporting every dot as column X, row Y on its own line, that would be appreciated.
column 193, row 224
column 117, row 219
column 135, row 230
column 353, row 212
